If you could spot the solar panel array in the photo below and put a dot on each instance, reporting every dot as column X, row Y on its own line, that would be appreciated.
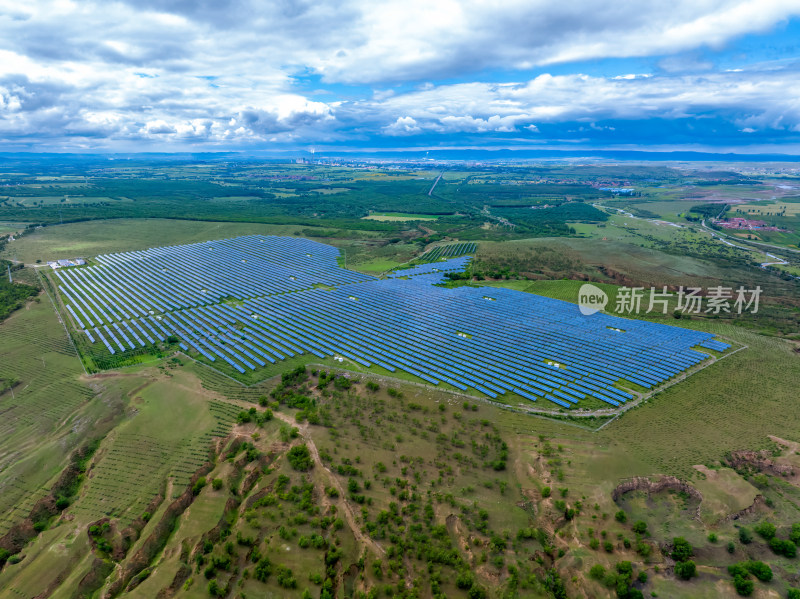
column 452, row 265
column 448, row 251
column 254, row 300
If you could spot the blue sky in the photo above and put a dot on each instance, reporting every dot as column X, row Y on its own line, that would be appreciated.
column 207, row 75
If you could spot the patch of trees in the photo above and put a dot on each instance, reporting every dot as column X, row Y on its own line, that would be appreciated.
column 682, row 550
column 12, row 295
column 300, row 459
column 741, row 575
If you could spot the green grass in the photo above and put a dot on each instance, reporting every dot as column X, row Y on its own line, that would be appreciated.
column 167, row 437
column 47, row 414
column 732, row 404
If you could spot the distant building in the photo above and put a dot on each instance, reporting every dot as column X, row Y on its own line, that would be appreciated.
column 65, row 263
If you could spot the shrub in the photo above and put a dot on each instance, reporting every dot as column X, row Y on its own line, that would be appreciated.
column 745, row 536
column 681, row 549
column 286, row 577
column 794, row 536
column 300, row 458
column 760, row 570
column 263, row 569
column 793, row 594
column 685, row 570
column 215, row 590
column 465, row 580
column 621, row 516
column 198, row 486
column 546, row 492
column 712, row 538
column 597, row 572
column 216, row 484
column 744, row 586
column 766, row 530
column 640, row 527
column 781, row 547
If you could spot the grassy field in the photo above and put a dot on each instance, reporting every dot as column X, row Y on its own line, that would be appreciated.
column 10, row 227
column 773, row 208
column 49, row 410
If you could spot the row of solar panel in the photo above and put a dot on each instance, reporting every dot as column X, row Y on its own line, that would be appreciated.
column 511, row 344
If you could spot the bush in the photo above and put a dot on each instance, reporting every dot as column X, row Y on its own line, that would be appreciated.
column 640, row 527
column 681, row 549
column 215, row 590
column 744, row 586
column 760, row 570
column 465, row 580
column 299, row 457
column 793, row 594
column 597, row 572
column 766, row 530
column 685, row 570
column 216, row 484
column 263, row 569
column 621, row 516
column 731, row 547
column 794, row 536
column 546, row 492
column 781, row 547
column 198, row 486
column 286, row 578
column 712, row 538
column 745, row 536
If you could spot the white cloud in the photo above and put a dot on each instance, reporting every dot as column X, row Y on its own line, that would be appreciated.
column 225, row 72
column 404, row 125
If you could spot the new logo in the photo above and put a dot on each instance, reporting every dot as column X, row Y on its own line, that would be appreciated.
column 591, row 299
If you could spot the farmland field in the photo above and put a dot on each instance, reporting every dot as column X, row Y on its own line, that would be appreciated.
column 162, row 473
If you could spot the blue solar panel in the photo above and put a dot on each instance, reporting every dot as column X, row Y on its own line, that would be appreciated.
column 256, row 299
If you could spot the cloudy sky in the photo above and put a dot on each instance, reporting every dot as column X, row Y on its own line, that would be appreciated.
column 208, row 75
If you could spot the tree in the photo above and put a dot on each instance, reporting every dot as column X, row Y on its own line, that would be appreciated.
column 681, row 549
column 793, row 594
column 300, row 458
column 760, row 570
column 263, row 569
column 745, row 536
column 597, row 572
column 640, row 527
column 766, row 530
column 198, row 486
column 744, row 586
column 685, row 570
column 783, row 547
column 215, row 590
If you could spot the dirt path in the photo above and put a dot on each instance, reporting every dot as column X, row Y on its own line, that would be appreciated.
column 362, row 539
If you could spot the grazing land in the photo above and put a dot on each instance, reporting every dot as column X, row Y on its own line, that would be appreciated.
column 157, row 472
